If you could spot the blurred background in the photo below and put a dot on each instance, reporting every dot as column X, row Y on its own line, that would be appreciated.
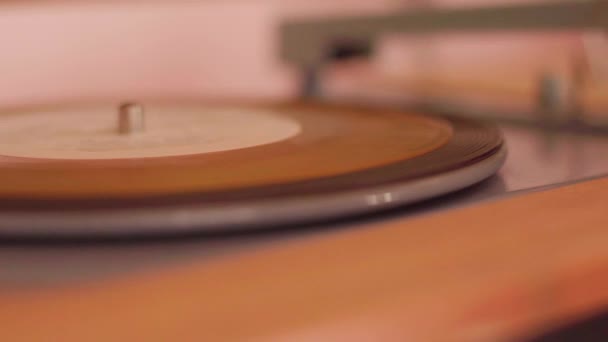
column 56, row 51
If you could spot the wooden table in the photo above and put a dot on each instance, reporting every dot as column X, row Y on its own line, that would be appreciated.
column 497, row 271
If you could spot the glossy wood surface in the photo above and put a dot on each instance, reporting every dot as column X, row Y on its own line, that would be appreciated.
column 497, row 271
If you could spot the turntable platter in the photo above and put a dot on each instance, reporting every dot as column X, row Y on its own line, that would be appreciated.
column 190, row 166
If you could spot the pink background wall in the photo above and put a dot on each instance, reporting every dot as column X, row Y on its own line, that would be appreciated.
column 55, row 51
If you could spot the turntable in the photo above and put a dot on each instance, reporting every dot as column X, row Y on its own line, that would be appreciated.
column 370, row 214
column 157, row 168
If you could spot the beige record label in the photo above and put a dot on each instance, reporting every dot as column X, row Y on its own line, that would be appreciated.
column 92, row 132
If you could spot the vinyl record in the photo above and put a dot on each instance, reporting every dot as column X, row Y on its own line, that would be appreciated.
column 72, row 170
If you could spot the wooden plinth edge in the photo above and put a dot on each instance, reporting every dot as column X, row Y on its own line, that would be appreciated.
column 496, row 271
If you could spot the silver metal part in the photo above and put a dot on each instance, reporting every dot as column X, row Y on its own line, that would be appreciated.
column 552, row 106
column 131, row 118
column 239, row 216
column 306, row 42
